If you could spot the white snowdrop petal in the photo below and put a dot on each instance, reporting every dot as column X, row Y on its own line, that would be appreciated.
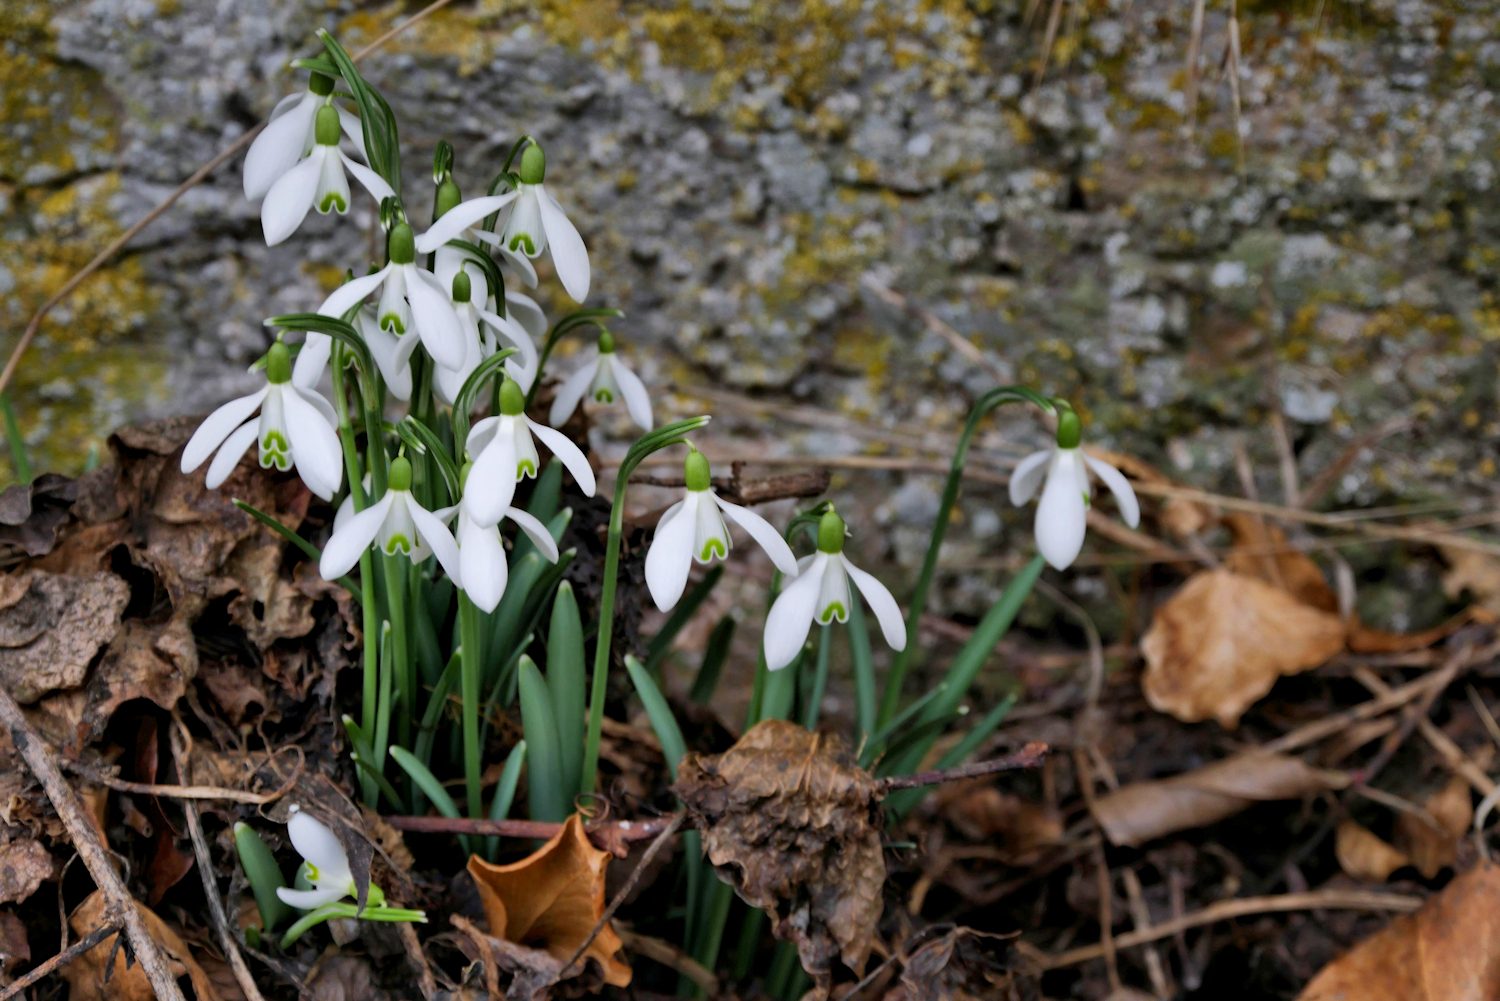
column 315, row 445
column 1130, row 506
column 536, row 532
column 571, row 392
column 348, row 544
column 217, row 426
column 482, row 563
column 764, row 533
column 436, row 535
column 792, row 614
column 289, row 199
column 230, row 454
column 569, row 256
column 352, row 293
column 279, row 146
column 320, row 847
column 637, row 400
column 1028, row 476
column 567, row 453
column 451, row 224
column 671, row 554
column 436, row 322
column 307, row 900
column 1060, row 515
column 373, row 182
column 887, row 612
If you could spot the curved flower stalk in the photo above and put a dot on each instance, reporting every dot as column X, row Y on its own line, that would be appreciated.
column 289, row 134
column 603, row 378
column 504, row 451
column 411, row 297
column 694, row 529
column 821, row 592
column 317, row 182
column 1061, row 514
column 396, row 523
column 536, row 223
column 295, row 429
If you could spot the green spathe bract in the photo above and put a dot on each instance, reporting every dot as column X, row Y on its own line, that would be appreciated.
column 533, row 165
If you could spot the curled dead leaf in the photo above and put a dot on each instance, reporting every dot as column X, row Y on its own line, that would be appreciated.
column 1447, row 951
column 793, row 823
column 1221, row 642
column 52, row 625
column 92, row 976
column 552, row 899
column 1020, row 830
column 968, row 965
column 24, row 864
column 1433, row 849
column 1364, row 854
column 1261, row 550
column 1141, row 811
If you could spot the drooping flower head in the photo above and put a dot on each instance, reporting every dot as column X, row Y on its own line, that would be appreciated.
column 289, row 135
column 1062, row 512
column 821, row 592
column 693, row 529
column 295, row 428
column 536, row 223
column 481, row 552
column 603, row 378
column 397, row 523
column 325, row 863
column 504, row 452
column 317, row 182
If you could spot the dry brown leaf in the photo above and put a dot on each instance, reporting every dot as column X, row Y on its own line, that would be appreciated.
column 1365, row 855
column 1447, row 951
column 1222, row 641
column 1477, row 573
column 15, row 948
column 967, row 965
column 552, row 899
column 1433, row 850
column 345, row 978
column 1289, row 569
column 24, row 864
column 1019, row 829
column 90, row 977
column 53, row 627
column 1139, row 812
column 793, row 823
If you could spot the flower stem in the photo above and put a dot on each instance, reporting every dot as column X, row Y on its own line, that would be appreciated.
column 989, row 401
column 602, row 643
column 470, row 668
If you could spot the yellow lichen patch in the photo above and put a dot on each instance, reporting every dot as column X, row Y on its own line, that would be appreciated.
column 51, row 112
column 452, row 33
column 826, row 252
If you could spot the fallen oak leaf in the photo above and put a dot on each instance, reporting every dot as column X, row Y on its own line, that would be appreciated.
column 1447, row 951
column 1143, row 811
column 1220, row 643
column 552, row 899
column 103, row 974
column 793, row 824
column 1434, row 849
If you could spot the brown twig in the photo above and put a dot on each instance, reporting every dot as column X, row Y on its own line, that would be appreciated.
column 1030, row 756
column 1355, row 900
column 197, row 177
column 607, row 835
column 624, row 891
column 418, row 959
column 59, row 960
column 188, row 792
column 1141, row 915
column 38, row 757
column 216, row 905
column 957, row 341
column 671, row 957
column 1439, row 741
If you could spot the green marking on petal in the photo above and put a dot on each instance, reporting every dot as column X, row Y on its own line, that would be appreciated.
column 392, row 322
column 331, row 201
column 398, row 544
column 712, row 548
column 522, row 238
column 525, row 468
column 604, row 396
column 834, row 611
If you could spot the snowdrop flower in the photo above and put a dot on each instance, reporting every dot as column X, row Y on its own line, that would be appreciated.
column 392, row 354
column 295, row 428
column 1061, row 513
column 397, row 523
column 821, row 592
column 289, row 135
column 537, row 223
column 324, row 860
column 317, row 181
column 481, row 553
column 604, row 378
column 693, row 529
column 411, row 297
column 480, row 327
column 504, row 451
column 448, row 196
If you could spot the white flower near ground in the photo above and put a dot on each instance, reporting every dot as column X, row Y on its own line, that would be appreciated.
column 821, row 592
column 317, row 182
column 295, row 429
column 504, row 451
column 288, row 135
column 392, row 354
column 481, row 554
column 694, row 529
column 537, row 223
column 325, row 861
column 396, row 523
column 1062, row 512
column 603, row 378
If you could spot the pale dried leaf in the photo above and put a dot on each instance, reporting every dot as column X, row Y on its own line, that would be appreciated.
column 1447, row 951
column 51, row 632
column 1222, row 641
column 24, row 864
column 1364, row 855
column 1020, row 830
column 791, row 821
column 1433, row 850
column 91, row 978
column 1477, row 573
column 1141, row 811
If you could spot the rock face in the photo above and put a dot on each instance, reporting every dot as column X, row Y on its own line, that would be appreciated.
column 744, row 170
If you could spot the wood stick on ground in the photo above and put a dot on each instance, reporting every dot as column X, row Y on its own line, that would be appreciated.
column 1030, row 756
column 1353, row 900
column 216, row 904
column 118, row 243
column 671, row 957
column 607, row 835
column 418, row 959
column 1141, row 915
column 486, row 952
column 624, row 891
column 186, row 792
column 1106, row 917
column 59, row 960
column 1440, row 742
column 38, row 757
